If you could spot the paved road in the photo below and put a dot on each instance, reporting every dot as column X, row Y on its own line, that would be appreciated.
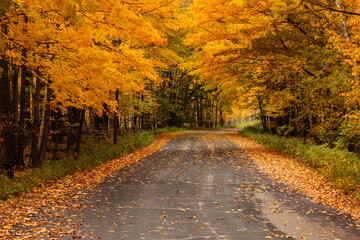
column 200, row 186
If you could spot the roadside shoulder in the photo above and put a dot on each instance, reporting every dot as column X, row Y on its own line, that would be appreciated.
column 297, row 176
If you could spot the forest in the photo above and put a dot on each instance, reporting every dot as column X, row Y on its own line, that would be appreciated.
column 75, row 69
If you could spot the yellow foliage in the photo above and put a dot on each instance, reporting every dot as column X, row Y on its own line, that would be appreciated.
column 86, row 49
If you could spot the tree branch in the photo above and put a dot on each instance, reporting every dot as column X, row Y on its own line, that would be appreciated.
column 326, row 7
column 161, row 6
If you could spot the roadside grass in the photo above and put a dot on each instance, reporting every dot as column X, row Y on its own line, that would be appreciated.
column 338, row 165
column 94, row 153
column 247, row 123
column 240, row 125
column 225, row 126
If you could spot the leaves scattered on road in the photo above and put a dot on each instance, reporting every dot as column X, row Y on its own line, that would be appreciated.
column 51, row 201
column 298, row 177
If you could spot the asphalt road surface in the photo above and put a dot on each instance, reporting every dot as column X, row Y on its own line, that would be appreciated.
column 200, row 186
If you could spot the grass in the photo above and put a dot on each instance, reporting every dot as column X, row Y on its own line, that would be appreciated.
column 240, row 125
column 247, row 123
column 338, row 165
column 95, row 153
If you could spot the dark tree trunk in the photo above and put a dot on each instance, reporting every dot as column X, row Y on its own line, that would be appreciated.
column 35, row 157
column 116, row 119
column 23, row 97
column 116, row 128
column 262, row 113
column 222, row 121
column 45, row 124
column 126, row 122
column 105, row 117
column 15, row 94
column 15, row 117
column 80, row 131
column 71, row 136
column 134, row 123
column 142, row 125
column 199, row 112
column 56, row 135
column 8, row 153
column 216, row 113
column 202, row 117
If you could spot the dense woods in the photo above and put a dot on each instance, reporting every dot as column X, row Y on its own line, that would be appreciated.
column 94, row 67
column 70, row 68
column 295, row 61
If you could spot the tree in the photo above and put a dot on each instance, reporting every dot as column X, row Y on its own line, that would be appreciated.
column 75, row 55
column 296, row 59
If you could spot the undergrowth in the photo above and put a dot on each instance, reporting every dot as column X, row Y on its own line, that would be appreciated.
column 96, row 153
column 338, row 165
column 240, row 125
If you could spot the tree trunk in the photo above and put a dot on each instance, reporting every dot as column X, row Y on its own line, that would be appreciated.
column 56, row 135
column 45, row 122
column 15, row 116
column 72, row 119
column 222, row 122
column 262, row 113
column 142, row 125
column 116, row 119
column 15, row 94
column 23, row 111
column 80, row 131
column 216, row 113
column 7, row 147
column 134, row 123
column 35, row 157
column 202, row 121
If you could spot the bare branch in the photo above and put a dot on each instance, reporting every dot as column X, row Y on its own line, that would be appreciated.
column 161, row 6
column 326, row 7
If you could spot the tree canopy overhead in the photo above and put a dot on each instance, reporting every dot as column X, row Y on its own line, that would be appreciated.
column 297, row 59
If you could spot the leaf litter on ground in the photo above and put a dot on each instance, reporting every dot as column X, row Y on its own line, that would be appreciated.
column 298, row 177
column 32, row 210
column 65, row 195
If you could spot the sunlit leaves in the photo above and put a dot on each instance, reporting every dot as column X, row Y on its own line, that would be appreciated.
column 270, row 48
column 87, row 49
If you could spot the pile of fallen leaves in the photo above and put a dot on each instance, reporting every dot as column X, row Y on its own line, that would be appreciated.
column 298, row 177
column 51, row 201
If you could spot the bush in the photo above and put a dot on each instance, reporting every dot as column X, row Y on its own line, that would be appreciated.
column 338, row 165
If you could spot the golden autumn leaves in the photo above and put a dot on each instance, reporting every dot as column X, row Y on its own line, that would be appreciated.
column 295, row 60
column 85, row 49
